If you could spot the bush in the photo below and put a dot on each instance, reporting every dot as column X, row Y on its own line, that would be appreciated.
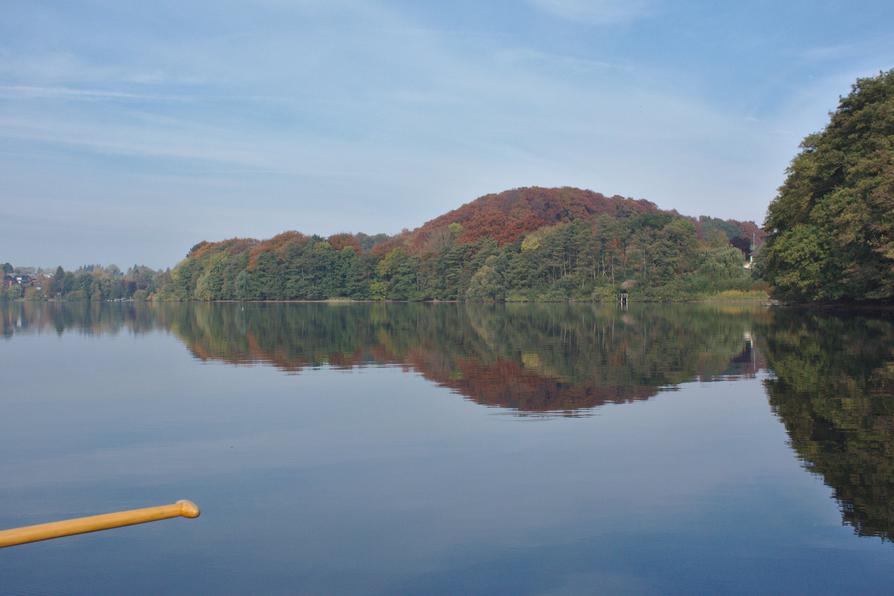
column 605, row 294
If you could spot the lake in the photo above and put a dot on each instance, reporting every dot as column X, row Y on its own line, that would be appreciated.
column 450, row 448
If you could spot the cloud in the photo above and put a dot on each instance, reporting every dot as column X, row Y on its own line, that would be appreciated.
column 830, row 52
column 549, row 59
column 41, row 92
column 65, row 67
column 595, row 12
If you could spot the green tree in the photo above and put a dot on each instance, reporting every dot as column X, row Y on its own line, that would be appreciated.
column 831, row 227
column 398, row 271
column 487, row 283
column 266, row 278
column 243, row 286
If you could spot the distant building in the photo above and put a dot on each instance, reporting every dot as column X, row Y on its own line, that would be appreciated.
column 17, row 280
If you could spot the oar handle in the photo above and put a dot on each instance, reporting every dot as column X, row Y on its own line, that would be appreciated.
column 95, row 523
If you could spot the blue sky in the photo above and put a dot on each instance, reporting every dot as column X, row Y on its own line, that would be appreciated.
column 131, row 130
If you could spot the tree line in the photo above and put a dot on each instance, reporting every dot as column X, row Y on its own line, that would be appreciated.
column 87, row 283
column 654, row 256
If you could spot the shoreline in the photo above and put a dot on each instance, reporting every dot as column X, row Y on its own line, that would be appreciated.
column 698, row 300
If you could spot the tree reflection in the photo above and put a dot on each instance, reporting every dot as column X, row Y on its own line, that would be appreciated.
column 84, row 317
column 556, row 358
column 833, row 386
column 834, row 391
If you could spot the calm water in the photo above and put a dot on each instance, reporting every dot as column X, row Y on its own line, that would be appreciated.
column 450, row 449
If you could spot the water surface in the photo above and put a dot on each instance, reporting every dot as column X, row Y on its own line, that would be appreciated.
column 450, row 448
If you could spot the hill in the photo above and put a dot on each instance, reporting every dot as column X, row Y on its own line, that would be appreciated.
column 522, row 244
column 507, row 216
column 831, row 227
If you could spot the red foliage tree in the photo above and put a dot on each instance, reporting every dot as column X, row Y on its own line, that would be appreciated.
column 507, row 216
column 341, row 241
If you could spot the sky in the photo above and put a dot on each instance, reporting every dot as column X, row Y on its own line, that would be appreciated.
column 129, row 131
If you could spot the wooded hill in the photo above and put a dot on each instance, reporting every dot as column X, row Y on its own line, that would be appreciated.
column 522, row 244
column 831, row 227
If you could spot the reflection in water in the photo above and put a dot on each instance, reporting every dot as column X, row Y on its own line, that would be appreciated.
column 834, row 391
column 833, row 383
column 563, row 359
column 84, row 317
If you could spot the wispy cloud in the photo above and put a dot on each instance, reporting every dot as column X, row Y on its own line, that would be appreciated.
column 832, row 52
column 850, row 51
column 596, row 12
column 53, row 68
column 38, row 92
column 552, row 59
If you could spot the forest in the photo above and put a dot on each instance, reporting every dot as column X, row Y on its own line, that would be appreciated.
column 530, row 244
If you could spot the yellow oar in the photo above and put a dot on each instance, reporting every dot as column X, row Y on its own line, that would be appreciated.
column 95, row 523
